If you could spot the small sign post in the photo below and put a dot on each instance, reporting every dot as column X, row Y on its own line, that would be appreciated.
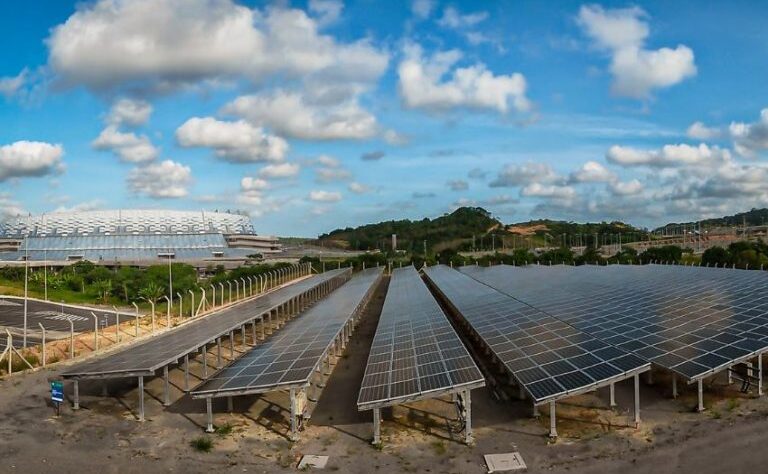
column 57, row 395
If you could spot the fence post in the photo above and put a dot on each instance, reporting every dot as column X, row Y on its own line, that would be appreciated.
column 43, row 329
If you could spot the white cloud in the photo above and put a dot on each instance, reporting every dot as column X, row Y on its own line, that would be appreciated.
column 249, row 183
column 30, row 159
column 148, row 44
column 293, row 115
column 129, row 147
column 130, row 112
column 626, row 188
column 453, row 19
column 423, row 84
column 592, row 172
column 750, row 138
column 9, row 207
column 359, row 188
column 372, row 155
column 166, row 179
column 328, row 161
column 458, row 185
column 422, row 9
column 668, row 156
column 636, row 71
column 520, row 175
column 281, row 171
column 327, row 11
column 325, row 196
column 699, row 131
column 11, row 85
column 92, row 205
column 237, row 142
column 548, row 191
column 328, row 175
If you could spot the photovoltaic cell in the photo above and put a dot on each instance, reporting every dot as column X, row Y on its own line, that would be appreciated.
column 547, row 356
column 290, row 358
column 146, row 357
column 691, row 320
column 415, row 353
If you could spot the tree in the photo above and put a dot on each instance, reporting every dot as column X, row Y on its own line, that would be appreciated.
column 152, row 291
column 716, row 256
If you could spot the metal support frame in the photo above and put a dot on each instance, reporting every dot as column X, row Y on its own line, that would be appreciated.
column 209, row 411
column 376, row 426
column 467, row 415
column 141, row 398
column 552, row 420
column 760, row 374
column 700, row 390
column 612, row 395
column 294, row 434
column 204, row 353
column 166, row 387
column 637, row 400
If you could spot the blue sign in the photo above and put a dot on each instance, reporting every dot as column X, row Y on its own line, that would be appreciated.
column 57, row 391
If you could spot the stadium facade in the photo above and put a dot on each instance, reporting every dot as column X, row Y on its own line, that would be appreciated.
column 132, row 236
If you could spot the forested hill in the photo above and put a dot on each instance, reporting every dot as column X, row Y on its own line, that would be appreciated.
column 459, row 229
column 749, row 218
column 446, row 231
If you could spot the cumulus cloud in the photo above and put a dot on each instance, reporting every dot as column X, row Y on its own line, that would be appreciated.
column 30, row 159
column 548, row 191
column 11, row 85
column 592, row 172
column 129, row 147
column 452, row 18
column 359, row 188
column 750, row 138
column 327, row 11
column 636, row 71
column 422, row 9
column 166, row 179
column 668, row 156
column 458, row 185
column 130, row 112
column 433, row 84
column 147, row 44
column 325, row 196
column 328, row 175
column 699, row 131
column 626, row 188
column 328, row 161
column 477, row 173
column 249, row 183
column 237, row 142
column 294, row 115
column 9, row 207
column 280, row 171
column 372, row 155
column 513, row 175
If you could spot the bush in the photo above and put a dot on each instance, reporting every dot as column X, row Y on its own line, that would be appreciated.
column 203, row 444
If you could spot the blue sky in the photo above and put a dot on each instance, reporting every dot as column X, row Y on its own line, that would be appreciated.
column 322, row 114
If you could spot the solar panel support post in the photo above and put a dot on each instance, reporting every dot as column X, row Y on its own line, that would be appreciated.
column 294, row 435
column 649, row 377
column 700, row 389
column 376, row 426
column 535, row 413
column 467, row 403
column 76, row 395
column 209, row 412
column 612, row 395
column 186, row 372
column 253, row 332
column 552, row 420
column 166, row 387
column 242, row 339
column 674, row 384
column 637, row 400
column 204, row 353
column 760, row 374
column 231, row 345
column 141, row 398
column 230, row 405
column 218, row 352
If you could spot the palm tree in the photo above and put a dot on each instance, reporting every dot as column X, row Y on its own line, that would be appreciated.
column 152, row 291
column 104, row 288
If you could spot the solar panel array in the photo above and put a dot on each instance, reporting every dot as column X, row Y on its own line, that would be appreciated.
column 693, row 321
column 416, row 353
column 290, row 358
column 549, row 358
column 166, row 348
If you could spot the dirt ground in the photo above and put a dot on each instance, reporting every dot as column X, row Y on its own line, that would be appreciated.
column 104, row 435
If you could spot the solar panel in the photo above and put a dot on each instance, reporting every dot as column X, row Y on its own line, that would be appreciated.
column 548, row 357
column 146, row 357
column 290, row 358
column 415, row 353
column 693, row 321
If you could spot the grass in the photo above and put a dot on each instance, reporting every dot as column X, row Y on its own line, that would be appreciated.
column 439, row 448
column 732, row 404
column 224, row 430
column 202, row 444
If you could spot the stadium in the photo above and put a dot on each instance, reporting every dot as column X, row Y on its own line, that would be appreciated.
column 132, row 236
